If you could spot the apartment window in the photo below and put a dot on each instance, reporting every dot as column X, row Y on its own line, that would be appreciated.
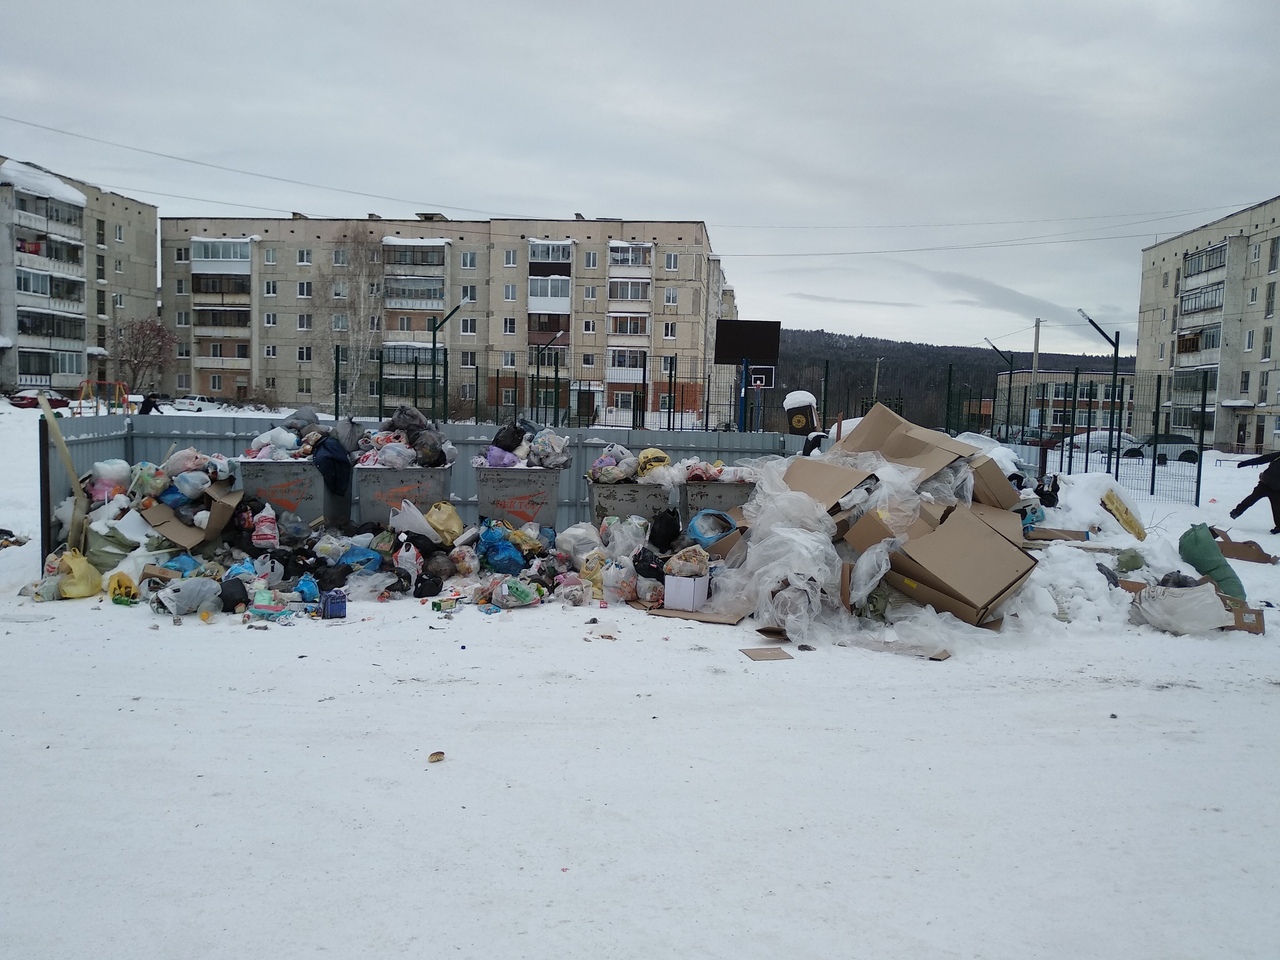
column 375, row 323
column 1166, row 279
column 628, row 289
column 508, row 396
column 508, row 258
column 1255, row 252
column 550, row 252
column 304, row 321
column 509, row 326
column 1161, row 356
column 622, row 399
column 304, row 384
column 588, row 359
column 668, row 364
column 373, row 388
column 117, row 299
column 102, row 233
column 1266, row 343
column 467, row 260
column 269, row 288
column 269, row 382
column 304, row 259
column 549, row 287
column 664, row 402
column 342, row 387
column 304, row 354
column 184, row 350
column 119, row 266
column 180, row 287
column 341, row 323
column 1244, row 381
column 509, row 358
column 101, row 298
column 342, row 354
column 629, row 325
column 101, row 267
column 404, row 323
column 183, row 381
column 468, row 293
column 1273, row 255
column 466, row 391
column 304, row 289
column 669, row 296
column 1248, row 340
column 269, row 256
column 340, row 257
column 215, row 383
column 119, row 233
column 339, row 289
column 268, row 319
column 215, row 349
column 673, row 261
column 632, row 359
column 589, row 292
column 467, row 326
column 1264, row 385
column 591, row 259
column 181, row 254
column 1253, row 295
column 509, row 292
column 629, row 255
column 1269, row 310
column 668, row 331
column 588, row 326
column 468, row 358
column 375, row 255
column 183, row 318
column 269, row 351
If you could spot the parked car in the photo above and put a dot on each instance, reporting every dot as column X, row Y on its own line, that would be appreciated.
column 1172, row 446
column 1097, row 440
column 31, row 398
column 195, row 402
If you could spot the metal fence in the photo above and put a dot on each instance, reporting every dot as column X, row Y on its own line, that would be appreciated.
column 1150, row 431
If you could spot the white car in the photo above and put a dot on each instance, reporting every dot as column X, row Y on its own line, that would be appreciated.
column 198, row 404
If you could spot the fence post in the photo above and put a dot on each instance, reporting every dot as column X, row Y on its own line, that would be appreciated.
column 446, row 386
column 1155, row 432
column 478, row 390
column 946, row 420
column 1069, row 441
column 826, row 380
column 1118, row 431
column 337, row 352
column 1204, row 399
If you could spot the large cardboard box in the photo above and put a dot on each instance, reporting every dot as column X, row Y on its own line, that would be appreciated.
column 1004, row 522
column 221, row 503
column 991, row 486
column 872, row 527
column 900, row 441
column 825, row 482
column 685, row 593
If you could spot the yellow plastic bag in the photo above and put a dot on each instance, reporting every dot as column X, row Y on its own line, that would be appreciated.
column 444, row 520
column 121, row 589
column 80, row 578
column 650, row 458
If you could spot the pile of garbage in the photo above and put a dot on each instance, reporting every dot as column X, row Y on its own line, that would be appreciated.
column 617, row 464
column 521, row 443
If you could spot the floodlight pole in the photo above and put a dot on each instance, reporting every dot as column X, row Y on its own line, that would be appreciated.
column 875, row 383
column 1113, row 433
column 1008, row 406
column 435, row 328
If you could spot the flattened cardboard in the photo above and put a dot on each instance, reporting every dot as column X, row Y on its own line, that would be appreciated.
column 1249, row 550
column 926, row 596
column 825, row 482
column 871, row 528
column 221, row 504
column 1051, row 533
column 902, row 442
column 701, row 617
column 991, row 486
column 1003, row 522
column 774, row 633
column 767, row 653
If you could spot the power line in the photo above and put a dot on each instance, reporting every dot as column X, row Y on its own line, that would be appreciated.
column 180, row 196
column 994, row 244
column 1161, row 214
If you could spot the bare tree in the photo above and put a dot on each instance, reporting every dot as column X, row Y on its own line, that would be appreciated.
column 352, row 326
column 145, row 349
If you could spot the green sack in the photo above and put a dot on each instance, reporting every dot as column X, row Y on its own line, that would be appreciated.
column 106, row 550
column 1198, row 548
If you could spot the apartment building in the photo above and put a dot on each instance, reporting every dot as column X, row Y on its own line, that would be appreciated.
column 498, row 310
column 76, row 264
column 1207, row 306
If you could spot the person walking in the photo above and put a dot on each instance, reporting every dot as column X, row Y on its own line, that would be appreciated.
column 1268, row 487
column 152, row 405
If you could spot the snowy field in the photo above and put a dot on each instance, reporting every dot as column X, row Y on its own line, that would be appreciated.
column 1073, row 787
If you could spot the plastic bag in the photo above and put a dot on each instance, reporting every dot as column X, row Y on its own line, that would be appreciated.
column 623, row 536
column 665, row 529
column 440, row 565
column 332, row 546
column 106, row 549
column 1198, row 548
column 147, row 480
column 549, row 450
column 650, row 591
column 369, row 586
column 268, row 568
column 409, row 519
column 192, row 484
column 620, row 578
column 80, row 578
column 195, row 594
column 362, row 558
column 689, row 562
column 397, row 456
column 428, row 446
column 498, row 553
column 218, row 467
column 444, row 520
column 409, row 559
column 514, row 592
column 508, row 438
column 577, row 541
column 497, row 457
column 266, row 534
column 707, row 526
column 465, row 559
column 117, row 472
column 275, row 437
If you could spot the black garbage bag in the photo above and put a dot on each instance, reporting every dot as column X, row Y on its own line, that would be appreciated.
column 664, row 529
column 235, row 595
column 427, row 585
column 429, row 446
column 508, row 437
column 648, row 564
column 1047, row 490
column 330, row 578
column 330, row 458
column 409, row 421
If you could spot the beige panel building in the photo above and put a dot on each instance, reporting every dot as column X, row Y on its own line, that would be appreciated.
column 1208, row 303
column 76, row 263
column 294, row 311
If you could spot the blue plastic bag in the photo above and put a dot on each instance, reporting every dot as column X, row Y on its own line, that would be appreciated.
column 307, row 588
column 707, row 526
column 362, row 558
column 183, row 563
column 171, row 496
column 498, row 553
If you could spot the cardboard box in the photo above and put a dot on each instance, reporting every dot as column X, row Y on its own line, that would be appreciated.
column 900, row 441
column 991, row 486
column 152, row 572
column 720, row 549
column 221, row 503
column 1003, row 522
column 1249, row 550
column 825, row 482
column 871, row 528
column 685, row 593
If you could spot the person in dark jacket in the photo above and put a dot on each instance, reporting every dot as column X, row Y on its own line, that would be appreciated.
column 150, row 405
column 1268, row 487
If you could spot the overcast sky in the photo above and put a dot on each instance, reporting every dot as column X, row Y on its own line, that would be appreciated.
column 925, row 170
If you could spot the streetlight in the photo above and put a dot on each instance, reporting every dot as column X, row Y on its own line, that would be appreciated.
column 1008, row 406
column 1113, row 429
column 541, row 349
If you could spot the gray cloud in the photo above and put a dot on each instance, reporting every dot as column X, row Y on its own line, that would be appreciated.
column 869, row 303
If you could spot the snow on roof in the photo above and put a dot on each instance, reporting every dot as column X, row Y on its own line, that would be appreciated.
column 248, row 239
column 545, row 240
column 6, row 343
column 1237, row 403
column 416, row 241
column 74, row 243
column 97, row 351
column 65, row 276
column 629, row 243
column 799, row 399
column 38, row 182
column 60, row 313
column 406, row 343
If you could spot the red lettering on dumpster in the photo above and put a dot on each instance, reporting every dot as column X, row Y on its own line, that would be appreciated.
column 288, row 494
column 525, row 507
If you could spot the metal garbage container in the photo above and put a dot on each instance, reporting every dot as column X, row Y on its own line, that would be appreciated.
column 294, row 486
column 628, row 499
column 519, row 495
column 380, row 489
column 713, row 495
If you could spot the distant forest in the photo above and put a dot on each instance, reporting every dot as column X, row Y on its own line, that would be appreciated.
column 913, row 376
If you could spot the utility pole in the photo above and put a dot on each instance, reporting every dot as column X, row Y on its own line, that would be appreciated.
column 875, row 384
column 1035, row 372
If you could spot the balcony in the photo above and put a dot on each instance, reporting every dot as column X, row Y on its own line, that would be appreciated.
column 207, row 331
column 31, row 261
column 199, row 300
column 405, row 303
column 1200, row 358
column 221, row 363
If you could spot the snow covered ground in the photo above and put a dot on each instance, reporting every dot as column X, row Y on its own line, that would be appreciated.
column 638, row 788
